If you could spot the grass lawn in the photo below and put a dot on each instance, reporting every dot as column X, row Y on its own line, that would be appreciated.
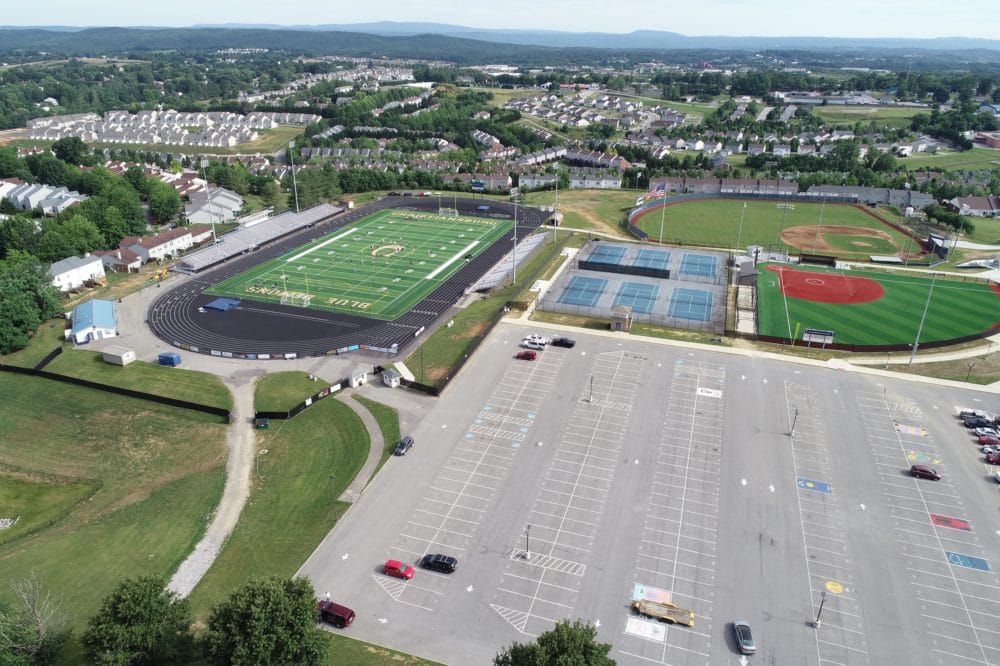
column 291, row 506
column 48, row 336
column 984, row 369
column 891, row 116
column 956, row 309
column 987, row 231
column 148, row 377
column 379, row 267
column 599, row 210
column 388, row 423
column 280, row 391
column 157, row 470
column 977, row 158
column 716, row 222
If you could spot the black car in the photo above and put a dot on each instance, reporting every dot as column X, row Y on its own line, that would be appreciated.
column 441, row 563
column 978, row 422
column 563, row 342
column 404, row 445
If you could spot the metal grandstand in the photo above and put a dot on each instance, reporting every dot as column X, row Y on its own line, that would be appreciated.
column 248, row 239
column 503, row 269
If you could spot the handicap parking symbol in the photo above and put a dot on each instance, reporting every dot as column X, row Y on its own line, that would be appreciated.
column 816, row 486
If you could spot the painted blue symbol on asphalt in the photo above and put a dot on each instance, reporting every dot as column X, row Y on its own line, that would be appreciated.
column 487, row 408
column 967, row 561
column 531, row 415
column 816, row 486
column 478, row 421
column 469, row 435
column 516, row 445
column 524, row 430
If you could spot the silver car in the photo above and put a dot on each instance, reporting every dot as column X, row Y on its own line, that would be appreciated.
column 744, row 637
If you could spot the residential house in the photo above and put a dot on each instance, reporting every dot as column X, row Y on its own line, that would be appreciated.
column 988, row 206
column 212, row 205
column 92, row 320
column 159, row 246
column 122, row 260
column 74, row 272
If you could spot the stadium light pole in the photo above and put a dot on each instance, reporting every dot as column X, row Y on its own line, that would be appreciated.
column 781, row 226
column 208, row 191
column 663, row 211
column 516, row 192
column 739, row 234
column 923, row 317
column 295, row 184
column 819, row 226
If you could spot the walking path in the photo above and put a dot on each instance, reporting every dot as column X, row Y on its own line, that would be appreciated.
column 240, row 442
column 353, row 492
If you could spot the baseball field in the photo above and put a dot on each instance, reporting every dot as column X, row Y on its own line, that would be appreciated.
column 379, row 267
column 849, row 232
column 872, row 308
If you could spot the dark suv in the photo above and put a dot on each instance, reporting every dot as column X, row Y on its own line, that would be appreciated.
column 404, row 445
column 563, row 342
column 442, row 563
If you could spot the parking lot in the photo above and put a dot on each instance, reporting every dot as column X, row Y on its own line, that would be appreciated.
column 733, row 486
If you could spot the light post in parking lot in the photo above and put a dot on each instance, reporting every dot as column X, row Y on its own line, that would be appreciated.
column 795, row 417
column 527, row 542
column 333, row 489
column 822, row 600
column 972, row 364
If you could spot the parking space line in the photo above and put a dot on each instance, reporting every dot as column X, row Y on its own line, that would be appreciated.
column 438, row 528
column 960, row 656
column 429, row 541
column 546, row 584
column 532, row 597
column 465, row 508
column 441, row 515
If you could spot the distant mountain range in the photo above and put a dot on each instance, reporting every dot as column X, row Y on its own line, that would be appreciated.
column 641, row 39
column 636, row 40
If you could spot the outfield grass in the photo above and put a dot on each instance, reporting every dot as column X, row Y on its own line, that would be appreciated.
column 292, row 504
column 147, row 377
column 716, row 223
column 160, row 474
column 280, row 391
column 585, row 210
column 34, row 504
column 956, row 309
column 379, row 267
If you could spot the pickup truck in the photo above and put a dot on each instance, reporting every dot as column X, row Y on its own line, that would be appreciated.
column 664, row 612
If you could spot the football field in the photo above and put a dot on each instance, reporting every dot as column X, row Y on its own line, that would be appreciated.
column 379, row 267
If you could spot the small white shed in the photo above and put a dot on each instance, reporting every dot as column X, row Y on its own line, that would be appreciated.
column 391, row 378
column 118, row 355
column 359, row 377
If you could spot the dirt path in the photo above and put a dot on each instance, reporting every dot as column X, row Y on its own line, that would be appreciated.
column 240, row 441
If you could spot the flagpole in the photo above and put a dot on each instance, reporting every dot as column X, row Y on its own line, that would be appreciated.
column 663, row 210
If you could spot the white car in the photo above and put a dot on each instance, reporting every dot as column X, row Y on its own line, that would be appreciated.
column 989, row 449
column 537, row 339
column 987, row 431
column 996, row 475
column 531, row 344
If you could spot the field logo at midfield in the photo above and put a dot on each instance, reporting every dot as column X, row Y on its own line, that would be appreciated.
column 826, row 287
column 387, row 250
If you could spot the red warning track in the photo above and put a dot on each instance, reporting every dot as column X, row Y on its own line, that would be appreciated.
column 826, row 287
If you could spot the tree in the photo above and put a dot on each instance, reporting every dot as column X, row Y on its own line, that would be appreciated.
column 140, row 623
column 72, row 150
column 267, row 621
column 568, row 643
column 33, row 631
column 27, row 298
column 164, row 202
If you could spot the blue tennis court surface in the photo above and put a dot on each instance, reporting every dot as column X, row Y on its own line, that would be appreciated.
column 583, row 291
column 651, row 258
column 640, row 297
column 702, row 265
column 693, row 304
column 607, row 254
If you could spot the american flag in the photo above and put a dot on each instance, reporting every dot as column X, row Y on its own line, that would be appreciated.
column 656, row 191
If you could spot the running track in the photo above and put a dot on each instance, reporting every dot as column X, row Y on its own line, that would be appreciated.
column 253, row 328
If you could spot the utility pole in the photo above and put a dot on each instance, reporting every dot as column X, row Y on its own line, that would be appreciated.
column 295, row 185
column 739, row 234
column 819, row 227
column 208, row 192
column 822, row 602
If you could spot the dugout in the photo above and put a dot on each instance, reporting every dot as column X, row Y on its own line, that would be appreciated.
column 818, row 259
column 621, row 318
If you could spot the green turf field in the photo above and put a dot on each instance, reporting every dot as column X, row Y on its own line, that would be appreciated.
column 716, row 223
column 956, row 309
column 379, row 267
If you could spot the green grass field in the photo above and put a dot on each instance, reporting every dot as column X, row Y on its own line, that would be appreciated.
column 716, row 222
column 893, row 117
column 977, row 158
column 105, row 487
column 956, row 309
column 378, row 267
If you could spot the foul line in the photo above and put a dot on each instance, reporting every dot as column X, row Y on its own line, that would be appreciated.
column 323, row 244
column 463, row 251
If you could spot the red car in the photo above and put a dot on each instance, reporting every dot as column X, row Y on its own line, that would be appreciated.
column 398, row 569
column 925, row 472
column 993, row 458
column 989, row 440
column 526, row 355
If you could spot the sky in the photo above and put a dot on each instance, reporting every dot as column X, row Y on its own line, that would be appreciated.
column 846, row 18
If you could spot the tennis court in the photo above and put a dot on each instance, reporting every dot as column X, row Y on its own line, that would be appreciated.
column 692, row 304
column 608, row 254
column 646, row 258
column 640, row 297
column 585, row 291
column 379, row 267
column 700, row 265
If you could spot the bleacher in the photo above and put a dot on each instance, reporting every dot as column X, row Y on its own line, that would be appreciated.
column 250, row 238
